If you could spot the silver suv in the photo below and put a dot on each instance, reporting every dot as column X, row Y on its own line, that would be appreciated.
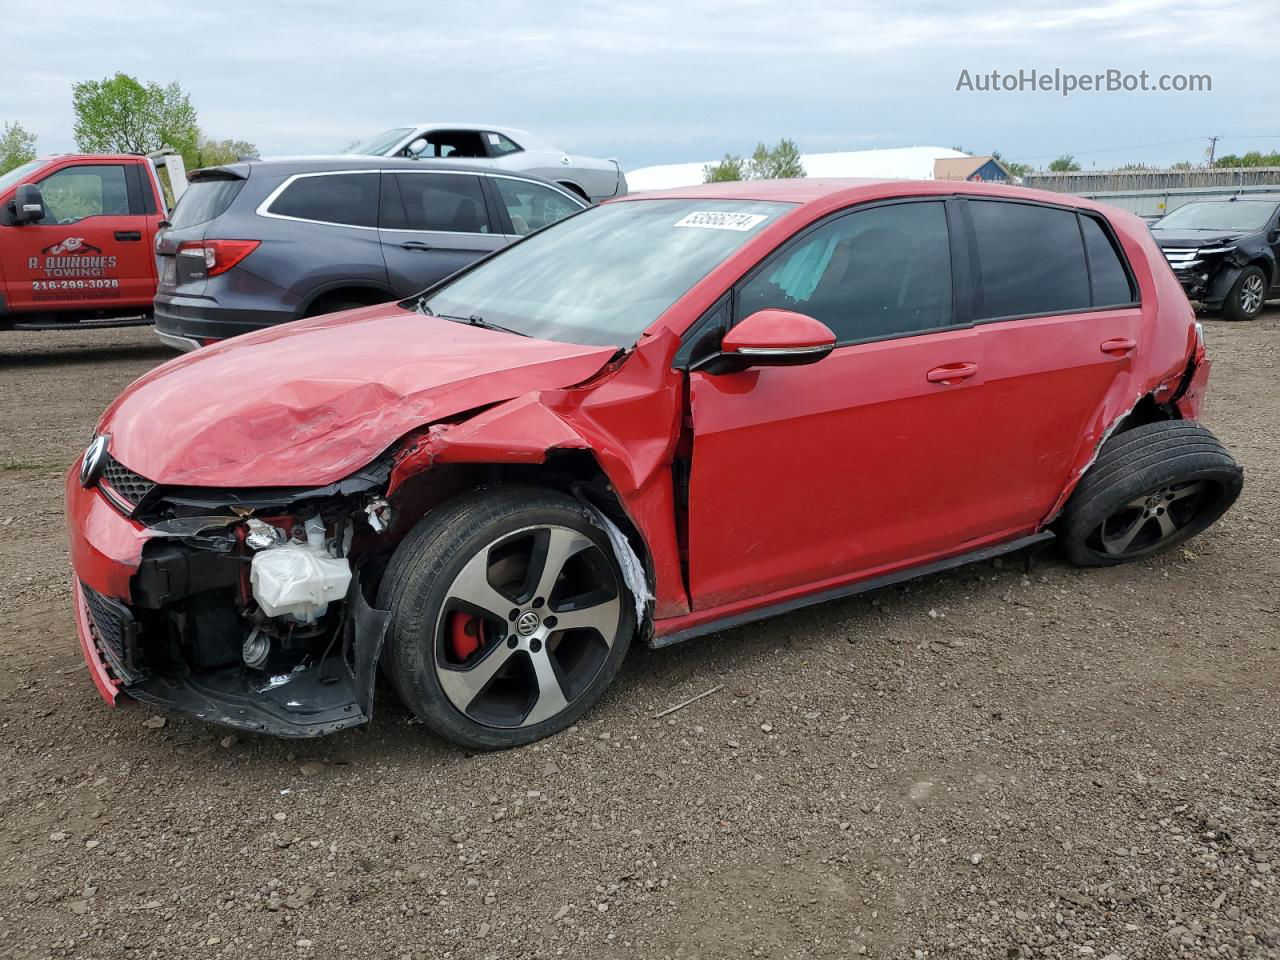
column 257, row 243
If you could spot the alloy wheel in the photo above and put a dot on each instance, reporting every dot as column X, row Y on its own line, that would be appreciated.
column 1251, row 294
column 1148, row 521
column 526, row 625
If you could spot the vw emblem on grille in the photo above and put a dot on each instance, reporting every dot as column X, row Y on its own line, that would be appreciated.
column 527, row 624
column 94, row 459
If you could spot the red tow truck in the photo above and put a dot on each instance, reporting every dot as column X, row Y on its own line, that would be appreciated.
column 77, row 235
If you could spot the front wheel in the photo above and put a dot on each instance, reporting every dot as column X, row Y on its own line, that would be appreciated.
column 509, row 616
column 1151, row 488
column 1247, row 295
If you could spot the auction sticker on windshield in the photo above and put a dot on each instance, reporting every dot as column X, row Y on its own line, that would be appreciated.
column 712, row 220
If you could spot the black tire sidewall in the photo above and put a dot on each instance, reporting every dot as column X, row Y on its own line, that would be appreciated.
column 418, row 590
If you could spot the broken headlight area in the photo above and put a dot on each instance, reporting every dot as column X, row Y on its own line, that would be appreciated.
column 252, row 613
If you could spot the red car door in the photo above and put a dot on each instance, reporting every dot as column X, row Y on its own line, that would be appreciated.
column 93, row 247
column 863, row 461
column 1058, row 321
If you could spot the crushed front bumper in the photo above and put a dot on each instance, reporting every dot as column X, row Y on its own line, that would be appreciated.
column 314, row 698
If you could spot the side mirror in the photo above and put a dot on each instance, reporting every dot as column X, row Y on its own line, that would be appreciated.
column 772, row 338
column 28, row 205
column 415, row 147
column 1273, row 236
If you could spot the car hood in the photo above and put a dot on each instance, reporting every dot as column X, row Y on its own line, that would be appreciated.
column 1181, row 237
column 307, row 403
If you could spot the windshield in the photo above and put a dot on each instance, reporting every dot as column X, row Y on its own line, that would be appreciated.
column 18, row 174
column 1244, row 215
column 204, row 199
column 379, row 145
column 601, row 277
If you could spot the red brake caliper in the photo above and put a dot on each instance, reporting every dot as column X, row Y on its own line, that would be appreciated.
column 466, row 633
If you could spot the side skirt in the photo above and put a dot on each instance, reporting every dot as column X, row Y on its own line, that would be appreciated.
column 850, row 589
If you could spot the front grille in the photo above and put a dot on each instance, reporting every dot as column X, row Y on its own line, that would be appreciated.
column 115, row 634
column 1181, row 258
column 128, row 485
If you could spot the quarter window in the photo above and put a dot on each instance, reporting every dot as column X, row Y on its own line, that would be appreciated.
column 1110, row 280
column 500, row 146
column 871, row 274
column 532, row 206
column 453, row 203
column 1031, row 260
column 92, row 190
column 349, row 199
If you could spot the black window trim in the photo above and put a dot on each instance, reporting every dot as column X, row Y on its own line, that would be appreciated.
column 971, row 240
column 264, row 208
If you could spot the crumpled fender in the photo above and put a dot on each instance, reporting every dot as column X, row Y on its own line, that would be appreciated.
column 638, row 400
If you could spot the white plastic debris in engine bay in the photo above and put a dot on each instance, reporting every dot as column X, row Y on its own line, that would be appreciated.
column 299, row 580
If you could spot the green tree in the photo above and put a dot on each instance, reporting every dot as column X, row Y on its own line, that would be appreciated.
column 1254, row 158
column 211, row 153
column 730, row 168
column 121, row 115
column 1015, row 169
column 17, row 146
column 1064, row 164
column 780, row 162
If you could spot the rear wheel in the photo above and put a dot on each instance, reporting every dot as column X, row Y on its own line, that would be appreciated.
column 509, row 616
column 1247, row 295
column 1151, row 488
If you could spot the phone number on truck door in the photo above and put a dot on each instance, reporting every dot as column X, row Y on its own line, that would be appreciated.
column 109, row 284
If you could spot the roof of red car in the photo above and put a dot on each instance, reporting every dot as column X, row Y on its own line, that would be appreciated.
column 804, row 190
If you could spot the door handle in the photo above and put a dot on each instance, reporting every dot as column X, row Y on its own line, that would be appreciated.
column 128, row 234
column 1117, row 346
column 950, row 373
column 415, row 245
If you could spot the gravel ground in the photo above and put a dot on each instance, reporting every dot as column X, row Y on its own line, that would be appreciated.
column 985, row 763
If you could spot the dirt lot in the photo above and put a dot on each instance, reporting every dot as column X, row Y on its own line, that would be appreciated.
column 984, row 763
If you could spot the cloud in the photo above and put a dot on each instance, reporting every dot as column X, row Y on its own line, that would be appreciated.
column 655, row 82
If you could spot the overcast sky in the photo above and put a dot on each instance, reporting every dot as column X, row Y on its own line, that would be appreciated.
column 661, row 81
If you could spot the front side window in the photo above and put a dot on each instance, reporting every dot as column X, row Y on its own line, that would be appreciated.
column 602, row 277
column 91, row 190
column 455, row 144
column 875, row 273
column 453, row 203
column 1031, row 260
column 500, row 146
column 349, row 199
column 531, row 206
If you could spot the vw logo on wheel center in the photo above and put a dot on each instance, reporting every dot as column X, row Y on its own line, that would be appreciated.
column 527, row 623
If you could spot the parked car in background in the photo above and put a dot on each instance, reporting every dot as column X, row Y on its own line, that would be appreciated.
column 76, row 235
column 504, row 148
column 257, row 243
column 665, row 416
column 1225, row 252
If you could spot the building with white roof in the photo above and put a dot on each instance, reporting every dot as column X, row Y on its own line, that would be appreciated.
column 894, row 163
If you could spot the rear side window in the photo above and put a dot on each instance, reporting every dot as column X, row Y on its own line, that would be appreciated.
column 531, row 206
column 500, row 146
column 1111, row 286
column 204, row 200
column 87, row 190
column 350, row 199
column 1030, row 259
column 450, row 202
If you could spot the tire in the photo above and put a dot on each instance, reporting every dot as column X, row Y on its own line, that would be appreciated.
column 489, row 678
column 1247, row 295
column 1151, row 488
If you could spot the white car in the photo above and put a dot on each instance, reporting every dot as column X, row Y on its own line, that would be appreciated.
column 501, row 147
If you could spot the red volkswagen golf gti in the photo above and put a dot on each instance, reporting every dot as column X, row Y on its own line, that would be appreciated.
column 661, row 417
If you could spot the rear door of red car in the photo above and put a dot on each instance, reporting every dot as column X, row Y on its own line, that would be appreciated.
column 865, row 460
column 1056, row 312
